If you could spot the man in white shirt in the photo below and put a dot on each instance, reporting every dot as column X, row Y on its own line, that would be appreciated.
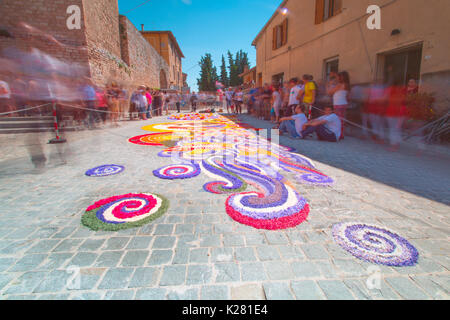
column 295, row 89
column 328, row 127
column 294, row 125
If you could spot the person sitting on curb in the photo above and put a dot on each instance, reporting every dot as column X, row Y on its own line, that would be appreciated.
column 328, row 127
column 293, row 125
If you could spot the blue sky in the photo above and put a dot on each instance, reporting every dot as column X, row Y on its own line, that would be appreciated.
column 204, row 26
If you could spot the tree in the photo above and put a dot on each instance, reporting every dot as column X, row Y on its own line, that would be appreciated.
column 224, row 74
column 208, row 74
column 234, row 70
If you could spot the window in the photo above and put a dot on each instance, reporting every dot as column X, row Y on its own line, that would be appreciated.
column 280, row 35
column 401, row 66
column 325, row 9
column 331, row 65
column 278, row 79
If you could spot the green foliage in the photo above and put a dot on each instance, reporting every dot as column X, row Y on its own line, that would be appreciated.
column 208, row 74
column 224, row 74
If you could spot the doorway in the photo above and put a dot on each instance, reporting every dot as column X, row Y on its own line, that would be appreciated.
column 403, row 65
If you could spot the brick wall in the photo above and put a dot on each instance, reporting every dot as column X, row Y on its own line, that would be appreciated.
column 48, row 18
column 144, row 61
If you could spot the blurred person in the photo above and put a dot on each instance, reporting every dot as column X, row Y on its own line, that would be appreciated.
column 375, row 109
column 277, row 102
column 412, row 87
column 19, row 94
column 123, row 103
column 113, row 94
column 294, row 124
column 396, row 115
column 308, row 94
column 239, row 100
column 229, row 98
column 266, row 100
column 178, row 102
column 327, row 127
column 140, row 102
column 340, row 93
column 194, row 99
column 157, row 103
column 149, row 97
column 285, row 90
column 5, row 98
column 102, row 103
column 89, row 101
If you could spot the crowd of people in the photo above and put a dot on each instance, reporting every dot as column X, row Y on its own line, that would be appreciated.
column 302, row 107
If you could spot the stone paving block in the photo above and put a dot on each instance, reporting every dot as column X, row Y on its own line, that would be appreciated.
column 307, row 290
column 120, row 295
column 335, row 290
column 139, row 243
column 315, row 251
column 435, row 290
column 68, row 245
column 55, row 281
column 116, row 278
column 406, row 288
column 268, row 253
column 359, row 288
column 191, row 219
column 83, row 233
column 222, row 228
column 83, row 259
column 151, row 294
column 43, row 246
column 222, row 254
column 204, row 229
column 278, row 270
column 53, row 297
column 6, row 263
column 20, row 297
column 175, row 219
column 188, row 241
column 183, row 294
column 211, row 241
column 186, row 228
column 199, row 274
column 64, row 233
column 116, row 243
column 226, row 272
column 24, row 284
column 28, row 263
column 159, row 257
column 92, row 244
column 163, row 229
column 215, row 219
column 88, row 296
column 251, row 292
column 199, row 255
column 173, row 276
column 291, row 252
column 21, row 233
column 88, row 278
column 278, row 291
column 245, row 254
column 109, row 259
column 134, row 258
column 214, row 293
column 233, row 240
column 253, row 271
column 276, row 237
column 181, row 256
column 350, row 267
column 146, row 230
column 255, row 239
column 144, row 277
column 56, row 261
column 15, row 247
column 164, row 242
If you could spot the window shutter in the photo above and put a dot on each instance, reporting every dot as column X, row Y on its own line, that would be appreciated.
column 285, row 31
column 320, row 6
column 274, row 40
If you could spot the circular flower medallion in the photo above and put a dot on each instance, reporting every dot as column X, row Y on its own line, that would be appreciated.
column 105, row 170
column 180, row 171
column 124, row 212
column 375, row 244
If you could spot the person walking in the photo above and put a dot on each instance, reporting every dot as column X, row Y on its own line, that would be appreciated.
column 340, row 93
column 114, row 103
column 149, row 98
column 294, row 90
column 239, row 99
column 89, row 100
column 396, row 115
column 277, row 102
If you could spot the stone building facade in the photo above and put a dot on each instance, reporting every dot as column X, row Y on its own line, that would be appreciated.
column 108, row 45
column 167, row 46
column 319, row 36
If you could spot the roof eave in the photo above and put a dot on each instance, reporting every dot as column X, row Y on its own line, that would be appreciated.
column 268, row 22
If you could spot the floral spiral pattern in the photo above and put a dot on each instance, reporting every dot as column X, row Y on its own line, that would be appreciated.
column 123, row 212
column 105, row 170
column 181, row 171
column 375, row 244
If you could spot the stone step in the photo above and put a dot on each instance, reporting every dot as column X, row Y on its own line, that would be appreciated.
column 33, row 130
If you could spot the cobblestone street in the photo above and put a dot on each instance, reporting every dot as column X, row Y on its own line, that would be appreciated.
column 196, row 251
